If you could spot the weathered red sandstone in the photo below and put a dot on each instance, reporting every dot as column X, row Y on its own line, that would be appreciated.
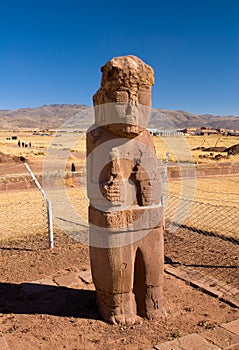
column 124, row 189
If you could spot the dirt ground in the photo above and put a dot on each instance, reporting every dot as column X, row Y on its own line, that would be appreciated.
column 67, row 318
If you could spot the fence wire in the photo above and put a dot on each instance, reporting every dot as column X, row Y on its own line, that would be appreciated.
column 205, row 218
column 23, row 217
column 202, row 232
column 203, row 235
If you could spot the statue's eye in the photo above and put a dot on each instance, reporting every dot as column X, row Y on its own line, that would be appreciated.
column 122, row 96
column 144, row 98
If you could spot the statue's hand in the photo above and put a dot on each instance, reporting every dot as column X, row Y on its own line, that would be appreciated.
column 111, row 190
column 141, row 175
column 146, row 192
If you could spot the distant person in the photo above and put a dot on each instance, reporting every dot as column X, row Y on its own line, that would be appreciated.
column 23, row 144
column 30, row 144
column 19, row 143
column 73, row 168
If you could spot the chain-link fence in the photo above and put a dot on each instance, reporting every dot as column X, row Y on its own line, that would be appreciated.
column 209, row 219
column 23, row 217
column 203, row 231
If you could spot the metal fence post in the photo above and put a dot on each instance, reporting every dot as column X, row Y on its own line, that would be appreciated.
column 48, row 205
column 163, row 186
column 164, row 179
column 50, row 224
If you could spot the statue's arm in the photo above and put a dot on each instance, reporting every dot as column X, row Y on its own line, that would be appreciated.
column 110, row 186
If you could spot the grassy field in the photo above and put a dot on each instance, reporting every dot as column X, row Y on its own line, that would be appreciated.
column 23, row 213
column 211, row 206
column 212, row 190
column 179, row 148
column 183, row 148
column 208, row 205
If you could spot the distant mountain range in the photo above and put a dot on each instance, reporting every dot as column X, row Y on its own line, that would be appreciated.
column 60, row 116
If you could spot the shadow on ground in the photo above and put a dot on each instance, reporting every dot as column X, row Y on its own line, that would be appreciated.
column 30, row 298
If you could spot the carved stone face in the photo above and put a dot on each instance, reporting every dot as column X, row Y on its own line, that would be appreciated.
column 123, row 102
column 127, row 114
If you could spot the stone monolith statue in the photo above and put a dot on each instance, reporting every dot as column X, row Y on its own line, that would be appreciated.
column 124, row 189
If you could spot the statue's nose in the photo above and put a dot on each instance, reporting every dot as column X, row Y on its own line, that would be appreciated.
column 131, row 109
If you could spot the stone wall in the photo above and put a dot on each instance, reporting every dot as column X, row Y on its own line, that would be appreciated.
column 203, row 170
column 24, row 181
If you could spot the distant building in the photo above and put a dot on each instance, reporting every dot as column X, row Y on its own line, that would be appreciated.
column 153, row 132
column 232, row 133
column 165, row 133
column 201, row 131
column 189, row 131
column 208, row 131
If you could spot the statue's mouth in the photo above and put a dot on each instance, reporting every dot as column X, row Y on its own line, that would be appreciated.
column 127, row 130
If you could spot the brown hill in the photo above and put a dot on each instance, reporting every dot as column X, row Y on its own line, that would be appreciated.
column 233, row 149
column 81, row 117
column 181, row 119
column 47, row 116
column 5, row 158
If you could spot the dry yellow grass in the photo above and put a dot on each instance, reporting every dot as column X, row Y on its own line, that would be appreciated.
column 181, row 148
column 23, row 213
column 214, row 208
column 212, row 190
column 38, row 149
column 206, row 204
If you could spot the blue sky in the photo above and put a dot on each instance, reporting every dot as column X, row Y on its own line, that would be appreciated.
column 51, row 51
